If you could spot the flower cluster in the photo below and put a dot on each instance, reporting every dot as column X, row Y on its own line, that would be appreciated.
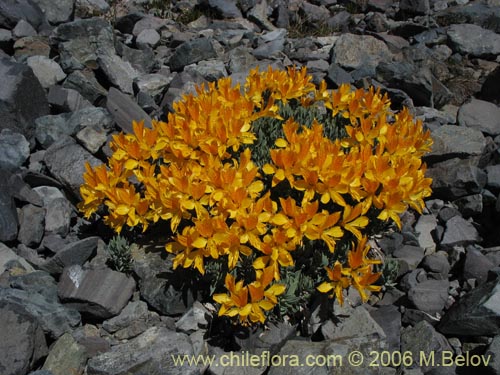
column 196, row 172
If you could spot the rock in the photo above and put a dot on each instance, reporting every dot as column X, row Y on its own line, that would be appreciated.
column 494, row 351
column 490, row 90
column 8, row 215
column 193, row 319
column 226, row 8
column 22, row 98
column 493, row 172
column 148, row 22
column 85, row 83
column 51, row 128
column 73, row 40
column 148, row 37
column 270, row 44
column 54, row 318
column 66, row 100
column 424, row 228
column 211, row 70
column 423, row 338
column 66, row 356
column 124, row 110
column 23, row 29
column 12, row 11
column 118, row 72
column 31, row 225
column 152, row 352
column 142, row 60
column 356, row 51
column 160, row 292
column 9, row 257
column 31, row 46
column 470, row 205
column 259, row 15
column 46, row 70
column 192, row 52
column 152, row 84
column 66, row 161
column 100, row 293
column 475, row 314
column 183, row 83
column 480, row 115
column 437, row 263
column 420, row 7
column 411, row 255
column 36, row 282
column 58, row 210
column 92, row 138
column 96, row 117
column 474, row 40
column 459, row 232
column 389, row 318
column 455, row 178
column 429, row 296
column 56, row 12
column 23, row 342
column 90, row 8
column 456, row 141
column 75, row 253
column 14, row 150
column 337, row 76
column 476, row 265
column 132, row 314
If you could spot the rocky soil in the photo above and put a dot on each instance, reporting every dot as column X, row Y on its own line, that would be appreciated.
column 74, row 72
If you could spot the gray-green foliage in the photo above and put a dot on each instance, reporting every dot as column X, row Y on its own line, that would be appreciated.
column 119, row 255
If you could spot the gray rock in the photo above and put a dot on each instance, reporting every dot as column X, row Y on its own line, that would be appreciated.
column 75, row 253
column 51, row 128
column 315, row 13
column 470, row 205
column 476, row 265
column 124, row 110
column 66, row 100
column 8, row 215
column 270, row 44
column 56, row 12
column 340, row 21
column 66, row 356
column 357, row 51
column 211, row 70
column 36, row 282
column 101, row 293
column 482, row 14
column 337, row 76
column 457, row 141
column 148, row 37
column 23, row 342
column 31, row 225
column 423, row 338
column 23, row 29
column 149, row 353
column 437, row 263
column 66, row 160
column 259, row 15
column 152, row 84
column 120, row 73
column 46, row 70
column 493, row 172
column 474, row 40
column 134, row 311
column 31, row 46
column 183, row 83
column 192, row 52
column 54, row 318
column 494, row 351
column 302, row 350
column 73, row 40
column 420, row 7
column 58, row 210
column 459, row 232
column 12, row 11
column 480, row 115
column 14, row 150
column 227, row 8
column 22, row 98
column 389, row 318
column 475, row 314
column 149, row 22
column 156, row 286
column 429, row 296
column 490, row 90
column 91, row 8
column 411, row 255
column 92, row 138
column 142, row 60
column 456, row 178
column 85, row 83
column 424, row 228
column 193, row 319
column 8, row 257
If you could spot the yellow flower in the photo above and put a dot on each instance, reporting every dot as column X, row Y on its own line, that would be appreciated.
column 339, row 280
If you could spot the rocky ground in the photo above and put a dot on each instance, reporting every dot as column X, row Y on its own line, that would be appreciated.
column 76, row 71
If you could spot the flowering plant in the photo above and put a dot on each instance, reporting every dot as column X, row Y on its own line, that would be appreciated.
column 266, row 178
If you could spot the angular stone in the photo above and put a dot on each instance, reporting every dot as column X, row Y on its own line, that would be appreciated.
column 148, row 22
column 23, row 29
column 22, row 98
column 480, row 115
column 56, row 11
column 8, row 215
column 66, row 161
column 46, row 70
column 36, row 282
column 152, row 352
column 259, row 15
column 493, row 172
column 193, row 319
column 142, row 60
column 457, row 141
column 270, row 44
column 389, row 318
column 92, row 138
column 58, row 210
column 470, row 205
column 66, row 100
column 118, row 72
column 475, row 314
column 420, row 7
column 455, row 178
column 437, row 263
column 100, row 293
column 124, row 110
column 227, row 8
column 476, row 265
column 474, row 40
column 490, row 91
column 430, row 296
column 494, row 351
column 356, row 51
column 86, row 84
column 75, row 253
column 23, row 342
column 31, row 225
column 411, row 255
column 31, row 46
column 134, row 311
column 211, row 70
column 14, row 150
column 424, row 228
column 91, row 8
column 423, row 338
column 459, row 232
column 148, row 37
column 54, row 318
column 152, row 84
column 7, row 257
column 192, row 52
column 66, row 356
column 12, row 11
column 51, row 128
